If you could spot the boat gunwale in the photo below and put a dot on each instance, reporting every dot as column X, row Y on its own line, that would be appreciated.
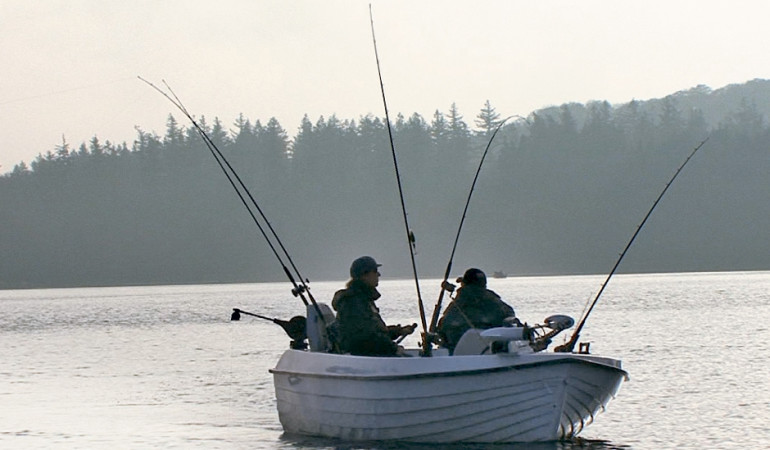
column 564, row 359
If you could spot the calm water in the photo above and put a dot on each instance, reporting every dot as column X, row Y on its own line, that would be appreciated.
column 163, row 367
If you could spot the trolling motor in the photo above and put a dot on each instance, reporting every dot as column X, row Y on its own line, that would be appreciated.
column 514, row 337
column 294, row 327
column 557, row 323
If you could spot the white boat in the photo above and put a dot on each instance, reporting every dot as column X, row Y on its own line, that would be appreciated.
column 515, row 395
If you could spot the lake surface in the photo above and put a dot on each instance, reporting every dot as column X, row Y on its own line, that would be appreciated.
column 164, row 367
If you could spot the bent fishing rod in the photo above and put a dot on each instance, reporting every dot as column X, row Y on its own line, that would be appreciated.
column 445, row 286
column 409, row 234
column 299, row 289
column 569, row 346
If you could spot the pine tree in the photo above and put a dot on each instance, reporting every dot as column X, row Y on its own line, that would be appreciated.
column 244, row 135
column 20, row 169
column 218, row 134
column 174, row 133
column 458, row 129
column 274, row 143
column 439, row 128
column 62, row 151
column 487, row 120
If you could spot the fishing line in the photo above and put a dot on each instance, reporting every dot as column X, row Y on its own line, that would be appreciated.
column 570, row 345
column 409, row 234
column 299, row 289
column 444, row 285
column 64, row 91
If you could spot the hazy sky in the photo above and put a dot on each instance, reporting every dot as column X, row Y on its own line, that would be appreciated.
column 70, row 66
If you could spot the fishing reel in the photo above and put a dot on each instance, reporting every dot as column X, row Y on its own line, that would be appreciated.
column 299, row 290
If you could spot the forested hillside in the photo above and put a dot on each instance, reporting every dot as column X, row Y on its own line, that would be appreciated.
column 560, row 193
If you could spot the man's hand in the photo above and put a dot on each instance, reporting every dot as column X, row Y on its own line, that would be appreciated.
column 398, row 332
column 407, row 330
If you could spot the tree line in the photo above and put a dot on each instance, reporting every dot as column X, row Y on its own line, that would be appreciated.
column 560, row 193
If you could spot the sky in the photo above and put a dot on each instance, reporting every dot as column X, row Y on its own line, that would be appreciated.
column 70, row 67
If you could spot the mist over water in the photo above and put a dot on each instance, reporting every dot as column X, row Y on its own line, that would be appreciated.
column 160, row 367
column 560, row 193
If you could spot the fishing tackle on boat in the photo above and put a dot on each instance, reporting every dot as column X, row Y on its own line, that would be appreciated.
column 294, row 327
column 299, row 288
column 569, row 346
column 541, row 339
column 409, row 233
column 497, row 386
column 445, row 285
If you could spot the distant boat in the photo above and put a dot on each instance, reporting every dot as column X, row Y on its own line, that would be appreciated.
column 499, row 274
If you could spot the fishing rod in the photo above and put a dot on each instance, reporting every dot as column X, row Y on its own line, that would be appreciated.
column 445, row 286
column 299, row 289
column 409, row 234
column 570, row 345
column 294, row 327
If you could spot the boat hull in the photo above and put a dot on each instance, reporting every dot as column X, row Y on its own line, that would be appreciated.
column 484, row 398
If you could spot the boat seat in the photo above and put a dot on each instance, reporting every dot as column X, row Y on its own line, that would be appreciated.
column 317, row 332
column 471, row 343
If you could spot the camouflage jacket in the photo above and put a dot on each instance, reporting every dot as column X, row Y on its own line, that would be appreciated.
column 359, row 328
column 474, row 307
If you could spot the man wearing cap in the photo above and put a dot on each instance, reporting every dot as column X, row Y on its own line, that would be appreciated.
column 474, row 307
column 360, row 328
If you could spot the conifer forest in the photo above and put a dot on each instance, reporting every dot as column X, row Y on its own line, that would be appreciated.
column 561, row 192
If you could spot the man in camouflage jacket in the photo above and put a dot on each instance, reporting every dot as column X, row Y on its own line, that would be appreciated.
column 474, row 307
column 360, row 329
